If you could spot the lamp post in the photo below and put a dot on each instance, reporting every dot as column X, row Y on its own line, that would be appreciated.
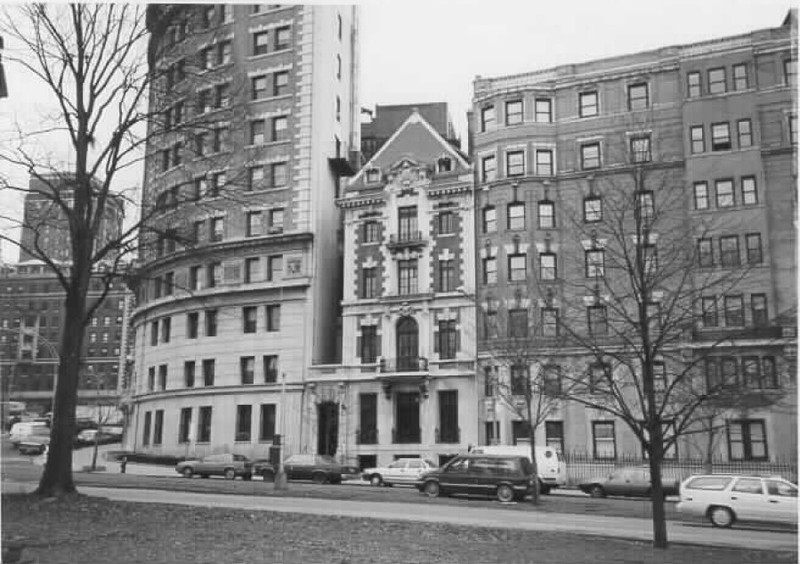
column 280, row 475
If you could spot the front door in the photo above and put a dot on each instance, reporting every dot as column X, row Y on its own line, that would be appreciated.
column 327, row 427
column 407, row 345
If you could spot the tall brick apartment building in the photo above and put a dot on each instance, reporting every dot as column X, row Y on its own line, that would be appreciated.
column 718, row 120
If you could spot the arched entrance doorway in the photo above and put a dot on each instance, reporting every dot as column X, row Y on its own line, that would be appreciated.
column 327, row 427
column 407, row 344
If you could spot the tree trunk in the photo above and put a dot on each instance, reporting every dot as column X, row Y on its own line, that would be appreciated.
column 536, row 490
column 657, row 493
column 94, row 454
column 708, row 465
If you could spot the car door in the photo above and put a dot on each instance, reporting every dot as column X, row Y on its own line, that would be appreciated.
column 394, row 471
column 290, row 468
column 639, row 483
column 413, row 471
column 455, row 477
column 781, row 501
column 615, row 485
column 747, row 499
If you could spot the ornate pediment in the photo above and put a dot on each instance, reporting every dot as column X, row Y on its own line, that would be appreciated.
column 407, row 176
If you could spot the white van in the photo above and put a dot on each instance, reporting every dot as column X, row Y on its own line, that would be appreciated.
column 549, row 463
column 21, row 431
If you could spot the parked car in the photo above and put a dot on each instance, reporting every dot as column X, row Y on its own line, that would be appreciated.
column 227, row 465
column 549, row 462
column 504, row 476
column 725, row 499
column 631, row 481
column 88, row 437
column 35, row 444
column 23, row 430
column 401, row 471
column 318, row 468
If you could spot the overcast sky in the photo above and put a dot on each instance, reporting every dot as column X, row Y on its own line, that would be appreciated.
column 414, row 52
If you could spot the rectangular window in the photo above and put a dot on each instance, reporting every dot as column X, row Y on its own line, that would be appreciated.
column 592, row 209
column 519, row 380
column 708, row 306
column 694, row 84
column 273, row 312
column 490, row 270
column 754, row 251
column 587, row 104
column 554, row 435
column 595, row 263
column 740, row 77
column 749, row 192
column 513, row 112
column 489, row 220
column 734, row 311
column 638, row 96
column 249, row 319
column 790, row 71
column 209, row 366
column 544, row 162
column 204, row 424
column 370, row 232
column 518, row 323
column 270, row 363
column 448, row 339
column 266, row 430
column 166, row 329
column 488, row 169
column 697, row 139
column 185, row 425
column 259, row 87
column 280, row 83
column 792, row 128
column 598, row 320
column 213, row 274
column 725, row 196
column 604, row 440
column 252, row 267
column 551, row 380
column 701, row 196
column 590, row 156
column 188, row 373
column 447, row 275
column 253, row 226
column 153, row 333
column 151, row 378
column 768, row 375
column 257, row 132
column 369, row 283
column 446, row 222
column 517, row 268
column 705, row 253
column 274, row 268
column 146, row 429
column 640, row 149
column 368, row 350
column 547, row 214
column 277, row 175
column 408, row 227
column 192, row 323
column 758, row 309
column 211, row 323
column 275, row 220
column 244, row 421
column 729, row 250
column 550, row 322
column 280, row 128
column 716, row 81
column 547, row 266
column 283, row 36
column 487, row 118
column 407, row 277
column 367, row 419
column 515, row 163
column 247, row 369
column 162, row 376
column 544, row 110
column 516, row 216
column 747, row 439
column 720, row 137
column 217, row 230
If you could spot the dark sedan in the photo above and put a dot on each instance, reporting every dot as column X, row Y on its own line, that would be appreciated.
column 630, row 482
column 318, row 468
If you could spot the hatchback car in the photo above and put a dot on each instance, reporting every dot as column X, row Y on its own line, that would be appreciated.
column 505, row 477
column 318, row 468
column 401, row 471
column 724, row 499
column 632, row 481
column 227, row 465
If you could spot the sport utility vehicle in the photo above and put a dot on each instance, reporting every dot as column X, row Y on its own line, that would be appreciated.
column 506, row 477
column 226, row 464
column 727, row 498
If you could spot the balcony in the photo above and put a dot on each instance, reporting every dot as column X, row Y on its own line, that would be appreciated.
column 404, row 364
column 406, row 239
column 406, row 435
column 448, row 436
column 368, row 436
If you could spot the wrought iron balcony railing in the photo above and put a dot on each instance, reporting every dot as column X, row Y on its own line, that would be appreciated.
column 406, row 435
column 367, row 436
column 407, row 239
column 404, row 364
column 448, row 435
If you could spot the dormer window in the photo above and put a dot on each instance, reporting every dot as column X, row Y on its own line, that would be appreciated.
column 444, row 164
column 373, row 175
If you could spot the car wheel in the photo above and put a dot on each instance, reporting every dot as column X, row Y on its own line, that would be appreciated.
column 188, row 472
column 230, row 474
column 376, row 480
column 597, row 491
column 268, row 475
column 431, row 489
column 721, row 517
column 246, row 477
column 319, row 478
column 505, row 493
column 543, row 489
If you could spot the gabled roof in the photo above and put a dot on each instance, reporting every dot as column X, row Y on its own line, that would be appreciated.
column 417, row 140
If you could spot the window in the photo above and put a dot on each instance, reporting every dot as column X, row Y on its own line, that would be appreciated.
column 368, row 349
column 444, row 164
column 270, row 363
column 638, row 96
column 338, row 67
column 273, row 312
column 708, row 306
column 146, row 430
column 547, row 214
column 211, row 323
column 448, row 339
column 213, row 274
column 267, row 428
column 260, row 42
column 747, row 440
column 749, row 193
column 554, row 435
column 590, row 156
column 247, row 366
column 725, row 196
column 734, row 311
column 447, row 275
column 222, row 95
column 487, row 118
column 649, row 259
column 517, row 268
column 283, row 36
column 587, row 104
column 604, row 440
column 257, row 132
column 369, row 283
column 694, row 84
column 701, row 195
column 544, row 162
column 758, row 309
column 519, row 380
column 515, row 163
column 192, row 323
column 488, row 166
column 274, row 267
column 550, row 322
column 253, row 226
column 277, row 175
column 162, row 376
column 551, row 380
column 204, row 424
column 740, row 77
column 373, row 175
column 544, row 110
column 598, row 320
column 645, row 207
column 592, row 209
column 407, row 277
column 280, row 128
column 790, row 71
column 280, row 85
column 595, row 263
column 217, row 228
column 518, row 323
column 792, row 128
column 705, row 253
column 200, row 188
column 720, row 137
column 370, row 231
column 275, row 219
column 753, row 246
column 166, row 330
column 151, row 378
column 729, row 250
column 244, row 421
column 259, row 87
column 188, row 373
column 490, row 270
column 513, row 112
column 716, row 81
column 547, row 266
column 640, row 149
column 249, row 319
column 185, row 425
column 446, row 222
column 209, row 366
column 516, row 216
column 489, row 220
column 697, row 139
column 407, row 223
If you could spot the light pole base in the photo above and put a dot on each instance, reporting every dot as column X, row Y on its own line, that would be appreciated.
column 281, row 483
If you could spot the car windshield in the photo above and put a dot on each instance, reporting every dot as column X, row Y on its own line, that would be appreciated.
column 326, row 459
